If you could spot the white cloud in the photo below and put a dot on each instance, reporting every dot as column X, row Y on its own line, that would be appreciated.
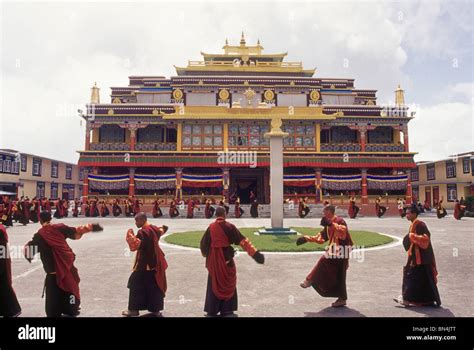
column 441, row 130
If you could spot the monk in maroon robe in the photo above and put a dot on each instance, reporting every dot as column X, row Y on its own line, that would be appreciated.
column 24, row 206
column 35, row 213
column 379, row 208
column 75, row 211
column 62, row 278
column 419, row 274
column 156, row 211
column 190, row 210
column 221, row 295
column 136, row 206
column 116, row 209
column 328, row 277
column 458, row 210
column 147, row 283
column 303, row 209
column 440, row 210
column 173, row 212
column 353, row 208
column 238, row 211
column 9, row 306
column 209, row 209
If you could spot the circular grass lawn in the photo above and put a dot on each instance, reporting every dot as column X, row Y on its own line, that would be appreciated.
column 281, row 243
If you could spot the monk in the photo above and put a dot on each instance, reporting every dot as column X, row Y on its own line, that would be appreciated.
column 238, row 211
column 190, row 209
column 209, row 209
column 379, row 209
column 440, row 210
column 419, row 274
column 173, row 212
column 62, row 278
column 116, row 209
column 303, row 209
column 9, row 306
column 328, row 277
column 75, row 211
column 147, row 283
column 221, row 295
column 458, row 210
column 128, row 207
column 36, row 210
column 136, row 205
column 104, row 210
column 353, row 208
column 156, row 211
column 254, row 209
column 401, row 207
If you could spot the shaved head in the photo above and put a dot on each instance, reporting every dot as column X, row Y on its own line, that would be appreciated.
column 140, row 219
column 220, row 212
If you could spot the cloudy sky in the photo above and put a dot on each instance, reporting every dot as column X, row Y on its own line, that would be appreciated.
column 52, row 53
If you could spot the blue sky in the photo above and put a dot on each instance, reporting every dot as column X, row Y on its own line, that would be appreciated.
column 51, row 54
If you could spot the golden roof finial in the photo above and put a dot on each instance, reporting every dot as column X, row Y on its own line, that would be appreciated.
column 242, row 39
column 95, row 95
column 399, row 96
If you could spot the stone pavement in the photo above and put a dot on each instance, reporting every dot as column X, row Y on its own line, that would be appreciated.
column 104, row 264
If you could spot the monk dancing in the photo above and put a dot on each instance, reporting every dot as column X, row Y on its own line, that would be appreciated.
column 353, row 208
column 440, row 210
column 380, row 209
column 328, row 277
column 238, row 211
column 147, row 283
column 221, row 295
column 209, row 209
column 173, row 212
column 303, row 209
column 419, row 274
column 9, row 306
column 62, row 278
column 458, row 210
column 156, row 211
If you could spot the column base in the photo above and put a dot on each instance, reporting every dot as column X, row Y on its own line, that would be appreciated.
column 276, row 231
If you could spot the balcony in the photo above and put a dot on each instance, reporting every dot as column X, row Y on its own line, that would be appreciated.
column 379, row 147
column 340, row 147
column 155, row 146
column 110, row 146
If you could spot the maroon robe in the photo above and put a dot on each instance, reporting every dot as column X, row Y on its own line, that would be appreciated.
column 328, row 277
column 9, row 305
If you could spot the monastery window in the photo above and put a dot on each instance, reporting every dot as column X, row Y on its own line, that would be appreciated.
column 152, row 134
column 111, row 133
column 430, row 172
column 201, row 99
column 68, row 172
column 153, row 97
column 23, row 162
column 54, row 169
column 248, row 135
column 296, row 100
column 465, row 166
column 7, row 165
column 15, row 167
column 342, row 134
column 338, row 99
column 36, row 167
column 299, row 135
column 202, row 135
column 381, row 134
column 54, row 191
column 40, row 192
column 450, row 169
column 452, row 192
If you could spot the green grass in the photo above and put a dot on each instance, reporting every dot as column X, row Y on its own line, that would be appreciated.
column 281, row 243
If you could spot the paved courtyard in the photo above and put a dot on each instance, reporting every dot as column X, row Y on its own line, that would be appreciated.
column 104, row 264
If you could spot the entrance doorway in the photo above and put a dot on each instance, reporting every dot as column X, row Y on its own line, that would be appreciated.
column 244, row 182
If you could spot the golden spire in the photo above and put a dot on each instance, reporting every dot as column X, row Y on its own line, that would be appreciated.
column 95, row 96
column 399, row 96
column 242, row 40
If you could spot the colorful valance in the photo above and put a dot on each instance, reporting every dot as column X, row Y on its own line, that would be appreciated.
column 302, row 180
column 387, row 182
column 108, row 182
column 155, row 182
column 191, row 180
column 341, row 182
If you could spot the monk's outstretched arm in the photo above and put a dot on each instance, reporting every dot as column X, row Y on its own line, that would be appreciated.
column 133, row 241
column 422, row 241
